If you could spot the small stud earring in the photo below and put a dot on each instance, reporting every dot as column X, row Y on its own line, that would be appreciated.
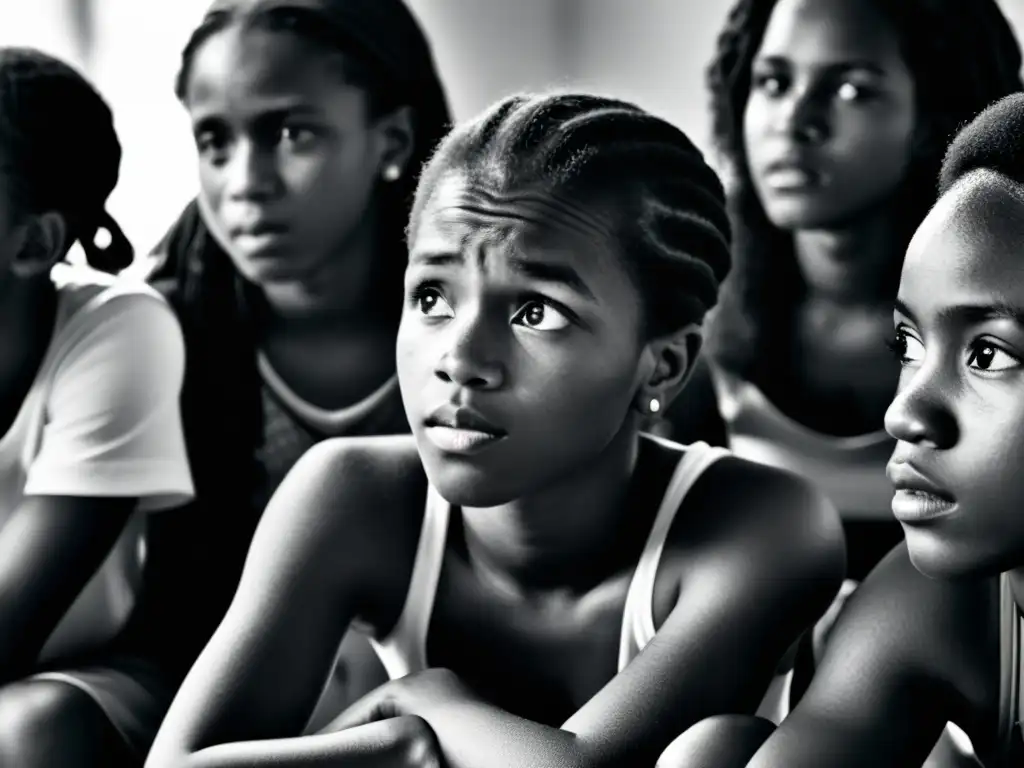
column 392, row 172
column 655, row 405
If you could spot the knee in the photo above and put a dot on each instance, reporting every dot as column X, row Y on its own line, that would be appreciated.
column 723, row 741
column 47, row 723
column 25, row 709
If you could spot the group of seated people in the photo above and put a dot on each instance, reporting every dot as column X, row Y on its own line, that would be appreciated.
column 539, row 439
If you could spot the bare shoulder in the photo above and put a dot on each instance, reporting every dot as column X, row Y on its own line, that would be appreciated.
column 780, row 523
column 355, row 506
column 910, row 631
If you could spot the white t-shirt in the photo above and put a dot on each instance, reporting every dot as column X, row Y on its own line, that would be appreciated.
column 102, row 419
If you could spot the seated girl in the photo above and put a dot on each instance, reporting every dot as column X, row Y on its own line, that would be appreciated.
column 90, row 373
column 934, row 634
column 544, row 585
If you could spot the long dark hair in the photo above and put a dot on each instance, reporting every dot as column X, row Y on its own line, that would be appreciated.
column 963, row 56
column 388, row 55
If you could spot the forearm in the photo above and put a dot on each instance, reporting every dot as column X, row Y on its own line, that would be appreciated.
column 394, row 743
column 50, row 548
column 473, row 734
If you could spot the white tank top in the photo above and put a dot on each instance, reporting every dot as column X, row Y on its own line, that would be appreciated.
column 403, row 651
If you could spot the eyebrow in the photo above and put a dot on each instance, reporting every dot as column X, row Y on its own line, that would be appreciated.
column 544, row 271
column 275, row 114
column 971, row 314
column 835, row 68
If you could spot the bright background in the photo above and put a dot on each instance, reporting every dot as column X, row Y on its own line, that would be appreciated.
column 650, row 51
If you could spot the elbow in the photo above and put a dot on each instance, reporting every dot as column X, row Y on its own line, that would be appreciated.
column 170, row 758
column 164, row 755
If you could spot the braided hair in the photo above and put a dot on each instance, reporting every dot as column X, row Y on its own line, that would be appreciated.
column 61, row 150
column 963, row 56
column 385, row 54
column 666, row 204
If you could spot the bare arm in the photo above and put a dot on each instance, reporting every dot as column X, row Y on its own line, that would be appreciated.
column 761, row 572
column 887, row 684
column 259, row 678
column 49, row 549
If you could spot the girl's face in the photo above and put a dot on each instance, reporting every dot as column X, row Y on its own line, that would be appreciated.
column 519, row 352
column 829, row 121
column 959, row 412
column 288, row 157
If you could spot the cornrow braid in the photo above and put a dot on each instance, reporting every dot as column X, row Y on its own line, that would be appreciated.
column 962, row 55
column 62, row 150
column 667, row 204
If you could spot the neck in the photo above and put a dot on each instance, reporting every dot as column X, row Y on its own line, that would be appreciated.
column 23, row 300
column 343, row 290
column 856, row 266
column 561, row 535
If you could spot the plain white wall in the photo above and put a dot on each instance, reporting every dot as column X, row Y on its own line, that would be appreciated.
column 653, row 52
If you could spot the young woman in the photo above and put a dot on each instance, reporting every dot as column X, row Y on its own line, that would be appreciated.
column 90, row 375
column 592, row 592
column 311, row 119
column 934, row 634
column 831, row 118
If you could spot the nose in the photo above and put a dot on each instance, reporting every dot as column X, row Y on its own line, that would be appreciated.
column 473, row 359
column 252, row 172
column 803, row 116
column 919, row 412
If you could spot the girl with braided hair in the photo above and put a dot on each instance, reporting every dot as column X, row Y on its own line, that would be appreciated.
column 545, row 585
column 935, row 632
column 91, row 371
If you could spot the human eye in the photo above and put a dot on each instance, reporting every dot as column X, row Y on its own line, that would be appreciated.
column 771, row 83
column 211, row 143
column 430, row 302
column 851, row 91
column 985, row 355
column 542, row 315
column 298, row 135
column 906, row 347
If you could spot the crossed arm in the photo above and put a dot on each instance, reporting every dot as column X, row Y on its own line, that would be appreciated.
column 908, row 654
column 755, row 582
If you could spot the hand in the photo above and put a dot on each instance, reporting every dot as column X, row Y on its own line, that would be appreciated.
column 398, row 742
column 410, row 695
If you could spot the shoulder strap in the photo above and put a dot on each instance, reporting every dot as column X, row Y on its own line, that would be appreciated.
column 638, row 617
column 404, row 650
column 1009, row 662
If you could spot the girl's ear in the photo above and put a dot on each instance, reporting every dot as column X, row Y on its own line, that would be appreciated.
column 673, row 358
column 40, row 243
column 395, row 138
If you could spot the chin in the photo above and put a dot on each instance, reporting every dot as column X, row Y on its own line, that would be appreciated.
column 794, row 216
column 464, row 490
column 942, row 558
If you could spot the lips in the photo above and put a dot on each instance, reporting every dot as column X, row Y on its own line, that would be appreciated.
column 917, row 497
column 258, row 227
column 792, row 173
column 458, row 429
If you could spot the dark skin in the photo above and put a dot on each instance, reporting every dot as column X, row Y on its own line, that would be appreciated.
column 919, row 643
column 507, row 299
column 286, row 142
column 830, row 92
column 49, row 546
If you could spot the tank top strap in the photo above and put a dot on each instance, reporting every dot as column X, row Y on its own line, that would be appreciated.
column 638, row 613
column 1010, row 689
column 404, row 650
